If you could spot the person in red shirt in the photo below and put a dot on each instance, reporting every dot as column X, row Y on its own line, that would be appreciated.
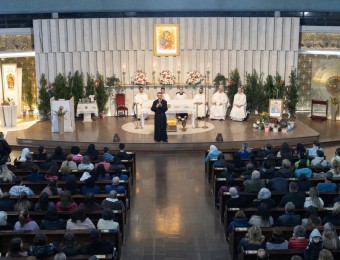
column 298, row 240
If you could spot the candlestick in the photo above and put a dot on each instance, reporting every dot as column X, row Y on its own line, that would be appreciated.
column 178, row 76
column 207, row 79
column 123, row 81
column 154, row 77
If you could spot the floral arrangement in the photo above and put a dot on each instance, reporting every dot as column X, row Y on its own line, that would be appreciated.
column 139, row 78
column 60, row 112
column 194, row 78
column 167, row 78
column 333, row 84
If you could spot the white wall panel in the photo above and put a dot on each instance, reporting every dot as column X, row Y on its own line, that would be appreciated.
column 71, row 43
column 103, row 25
column 287, row 26
column 270, row 34
column 112, row 37
column 245, row 34
column 84, row 63
column 230, row 33
column 54, row 35
column 95, row 34
column 278, row 34
column 79, row 25
column 37, row 37
column 87, row 34
column 222, row 34
column 46, row 38
column 237, row 33
column 253, row 34
column 261, row 39
column 109, row 45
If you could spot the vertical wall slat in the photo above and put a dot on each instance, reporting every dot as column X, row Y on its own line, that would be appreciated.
column 103, row 32
column 272, row 63
column 84, row 63
column 79, row 34
column 68, row 63
column 278, row 34
column 264, row 64
column 253, row 34
column 213, row 23
column 237, row 33
column 127, row 34
column 71, row 41
column 37, row 36
column 51, row 65
column 245, row 34
column 108, row 63
column 221, row 32
column 59, row 62
column 93, row 63
column 76, row 62
column 112, row 37
column 46, row 37
column 87, row 35
column 54, row 35
column 294, row 46
column 206, row 34
column 120, row 34
column 189, row 36
column 287, row 26
column 230, row 33
column 261, row 39
column 136, row 34
column 95, row 35
column 62, row 35
column 198, row 33
column 270, row 33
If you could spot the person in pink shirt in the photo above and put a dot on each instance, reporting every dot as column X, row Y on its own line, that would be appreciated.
column 66, row 202
column 103, row 162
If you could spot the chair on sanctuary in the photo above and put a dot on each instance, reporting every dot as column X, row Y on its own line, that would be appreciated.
column 120, row 105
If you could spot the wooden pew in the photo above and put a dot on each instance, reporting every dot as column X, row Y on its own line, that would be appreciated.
column 37, row 187
column 12, row 217
column 82, row 236
column 327, row 197
column 77, row 257
column 239, row 233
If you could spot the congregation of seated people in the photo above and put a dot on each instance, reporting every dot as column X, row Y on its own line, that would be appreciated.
column 42, row 167
column 263, row 177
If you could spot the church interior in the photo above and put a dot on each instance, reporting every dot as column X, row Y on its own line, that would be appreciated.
column 170, row 130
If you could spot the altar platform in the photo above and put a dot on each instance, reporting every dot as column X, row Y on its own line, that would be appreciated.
column 101, row 132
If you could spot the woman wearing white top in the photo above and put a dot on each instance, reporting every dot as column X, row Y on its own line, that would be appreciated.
column 22, row 157
column 313, row 200
column 85, row 164
column 107, row 220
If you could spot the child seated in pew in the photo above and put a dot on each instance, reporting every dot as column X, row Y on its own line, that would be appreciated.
column 314, row 246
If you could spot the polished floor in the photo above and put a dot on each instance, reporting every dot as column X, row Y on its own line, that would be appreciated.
column 172, row 215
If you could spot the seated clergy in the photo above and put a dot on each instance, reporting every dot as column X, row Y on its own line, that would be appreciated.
column 238, row 112
column 220, row 103
column 181, row 95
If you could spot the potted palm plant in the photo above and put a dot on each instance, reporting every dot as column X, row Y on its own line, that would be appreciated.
column 28, row 93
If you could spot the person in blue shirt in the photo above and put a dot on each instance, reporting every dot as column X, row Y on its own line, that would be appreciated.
column 328, row 185
column 312, row 151
column 115, row 186
column 107, row 156
column 18, row 188
column 245, row 151
column 35, row 176
column 213, row 153
column 303, row 169
column 90, row 186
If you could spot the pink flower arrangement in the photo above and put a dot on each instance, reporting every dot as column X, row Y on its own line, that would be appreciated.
column 167, row 78
column 194, row 78
column 139, row 78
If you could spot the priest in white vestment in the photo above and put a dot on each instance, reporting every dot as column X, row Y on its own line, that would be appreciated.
column 199, row 102
column 138, row 102
column 180, row 95
column 165, row 96
column 220, row 103
column 239, row 110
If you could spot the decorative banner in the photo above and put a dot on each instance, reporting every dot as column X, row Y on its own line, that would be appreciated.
column 9, row 72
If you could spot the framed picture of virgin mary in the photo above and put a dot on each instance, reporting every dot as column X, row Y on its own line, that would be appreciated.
column 166, row 40
column 275, row 107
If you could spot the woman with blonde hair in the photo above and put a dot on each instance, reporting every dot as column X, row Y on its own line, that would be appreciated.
column 6, row 175
column 69, row 163
column 330, row 237
column 253, row 240
column 325, row 255
column 313, row 200
column 23, row 203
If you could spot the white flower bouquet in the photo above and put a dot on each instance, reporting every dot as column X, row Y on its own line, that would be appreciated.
column 194, row 78
column 167, row 78
column 139, row 78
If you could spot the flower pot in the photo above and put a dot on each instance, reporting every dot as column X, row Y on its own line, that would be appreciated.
column 284, row 130
column 266, row 129
column 61, row 124
column 334, row 109
column 275, row 129
column 30, row 112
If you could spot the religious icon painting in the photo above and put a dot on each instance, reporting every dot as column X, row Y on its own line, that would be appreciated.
column 166, row 40
column 9, row 76
column 275, row 107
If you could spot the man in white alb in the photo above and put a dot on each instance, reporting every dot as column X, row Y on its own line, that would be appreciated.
column 239, row 110
column 199, row 102
column 165, row 96
column 220, row 103
column 180, row 95
column 138, row 101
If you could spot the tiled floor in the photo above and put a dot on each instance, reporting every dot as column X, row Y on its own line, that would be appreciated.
column 172, row 215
